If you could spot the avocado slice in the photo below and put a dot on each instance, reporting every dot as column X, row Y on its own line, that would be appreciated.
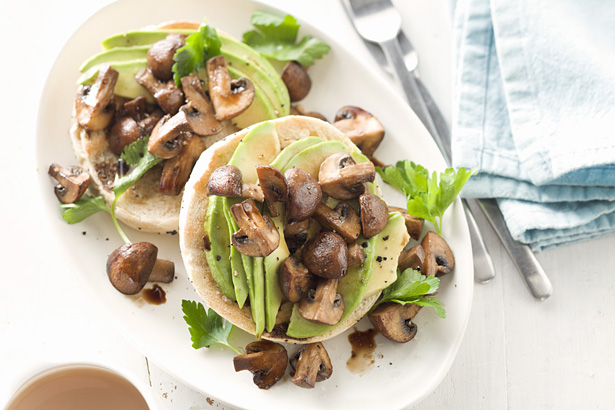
column 116, row 55
column 273, row 294
column 238, row 273
column 126, row 85
column 218, row 257
column 310, row 158
column 293, row 149
column 140, row 37
column 353, row 286
column 257, row 304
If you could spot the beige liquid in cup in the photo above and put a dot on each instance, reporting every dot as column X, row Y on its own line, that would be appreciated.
column 78, row 388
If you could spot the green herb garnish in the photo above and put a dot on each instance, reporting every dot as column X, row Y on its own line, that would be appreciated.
column 427, row 198
column 200, row 46
column 207, row 328
column 275, row 38
column 411, row 287
column 85, row 207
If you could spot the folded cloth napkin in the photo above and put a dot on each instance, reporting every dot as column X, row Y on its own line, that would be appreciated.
column 534, row 114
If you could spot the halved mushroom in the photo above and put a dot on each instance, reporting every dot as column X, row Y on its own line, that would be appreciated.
column 294, row 279
column 342, row 219
column 374, row 214
column 295, row 234
column 323, row 304
column 265, row 360
column 257, row 235
column 135, row 108
column 130, row 266
column 363, row 129
column 394, row 321
column 311, row 364
column 167, row 95
column 342, row 178
column 160, row 56
column 124, row 132
column 298, row 109
column 297, row 81
column 164, row 142
column 304, row 195
column 72, row 182
column 274, row 187
column 94, row 105
column 326, row 255
column 176, row 170
column 414, row 225
column 439, row 258
column 356, row 256
column 228, row 181
column 411, row 258
column 230, row 97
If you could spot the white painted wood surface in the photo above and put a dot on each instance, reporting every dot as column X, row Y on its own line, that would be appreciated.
column 518, row 353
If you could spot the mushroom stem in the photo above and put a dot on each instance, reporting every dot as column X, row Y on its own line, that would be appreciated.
column 163, row 271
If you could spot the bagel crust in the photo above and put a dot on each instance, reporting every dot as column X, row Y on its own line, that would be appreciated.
column 192, row 219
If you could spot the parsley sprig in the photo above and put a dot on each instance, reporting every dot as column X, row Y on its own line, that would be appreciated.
column 412, row 287
column 275, row 37
column 427, row 197
column 206, row 328
column 200, row 46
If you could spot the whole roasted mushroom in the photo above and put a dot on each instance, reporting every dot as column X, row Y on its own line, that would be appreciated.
column 176, row 170
column 265, row 360
column 94, row 105
column 257, row 235
column 132, row 265
column 167, row 95
column 374, row 214
column 311, row 364
column 124, row 132
column 414, row 225
column 274, row 187
column 342, row 178
column 297, row 81
column 439, row 258
column 323, row 304
column 294, row 279
column 160, row 56
column 326, row 255
column 304, row 195
column 342, row 219
column 230, row 97
column 72, row 182
column 394, row 321
column 227, row 181
column 363, row 129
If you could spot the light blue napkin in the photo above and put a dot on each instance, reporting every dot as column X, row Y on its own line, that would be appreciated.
column 535, row 114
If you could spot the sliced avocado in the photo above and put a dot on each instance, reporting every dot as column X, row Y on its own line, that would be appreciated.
column 273, row 294
column 126, row 85
column 354, row 285
column 258, row 303
column 293, row 149
column 260, row 146
column 139, row 37
column 116, row 55
column 218, row 257
column 310, row 158
column 238, row 273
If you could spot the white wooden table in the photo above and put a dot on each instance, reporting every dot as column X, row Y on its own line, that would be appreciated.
column 518, row 353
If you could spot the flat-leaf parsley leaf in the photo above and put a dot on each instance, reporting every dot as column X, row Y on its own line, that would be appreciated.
column 207, row 328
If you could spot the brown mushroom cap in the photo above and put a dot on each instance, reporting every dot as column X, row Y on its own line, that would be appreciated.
column 72, row 182
column 149, row 121
column 342, row 178
column 414, row 225
column 257, row 235
column 411, row 258
column 356, row 256
column 295, row 234
column 130, row 266
column 342, row 219
column 297, row 81
column 439, row 258
column 199, row 111
column 227, row 181
column 230, row 98
column 94, row 105
column 311, row 364
column 374, row 214
column 323, row 304
column 304, row 195
column 326, row 255
column 135, row 108
column 164, row 142
column 394, row 321
column 167, row 95
column 265, row 360
column 160, row 56
column 176, row 170
column 274, row 187
column 363, row 129
column 124, row 132
column 294, row 279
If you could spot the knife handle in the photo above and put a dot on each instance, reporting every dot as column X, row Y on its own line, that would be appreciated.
column 484, row 271
column 522, row 256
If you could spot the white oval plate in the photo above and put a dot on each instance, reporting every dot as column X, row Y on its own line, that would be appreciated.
column 401, row 374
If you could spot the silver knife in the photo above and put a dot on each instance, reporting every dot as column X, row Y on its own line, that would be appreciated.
column 525, row 261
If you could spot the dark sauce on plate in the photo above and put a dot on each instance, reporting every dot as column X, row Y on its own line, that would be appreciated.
column 363, row 346
column 154, row 296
